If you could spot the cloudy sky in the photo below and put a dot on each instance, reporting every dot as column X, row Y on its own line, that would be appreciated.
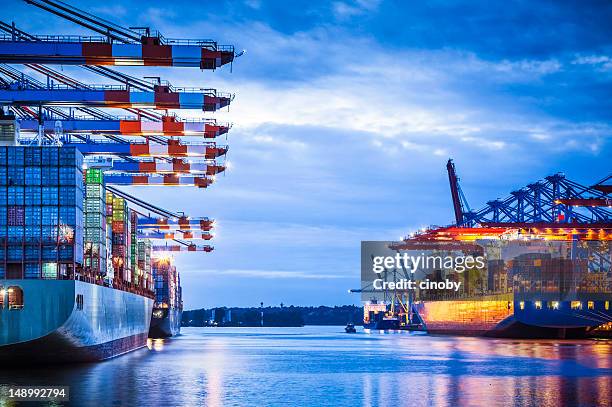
column 345, row 115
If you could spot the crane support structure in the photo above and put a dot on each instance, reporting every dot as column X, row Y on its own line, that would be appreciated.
column 174, row 235
column 116, row 46
column 169, row 126
column 116, row 96
column 161, row 167
column 183, row 223
column 173, row 149
column 554, row 202
column 587, row 202
column 182, row 248
column 158, row 180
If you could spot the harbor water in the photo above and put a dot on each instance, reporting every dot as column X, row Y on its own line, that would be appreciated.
column 323, row 366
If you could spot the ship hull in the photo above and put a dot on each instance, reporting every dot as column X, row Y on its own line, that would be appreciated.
column 54, row 327
column 504, row 317
column 165, row 322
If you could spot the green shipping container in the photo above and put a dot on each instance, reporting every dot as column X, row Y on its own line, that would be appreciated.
column 94, row 176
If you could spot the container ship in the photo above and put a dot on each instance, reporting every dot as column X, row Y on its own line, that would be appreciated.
column 70, row 290
column 547, row 268
column 78, row 255
column 168, row 306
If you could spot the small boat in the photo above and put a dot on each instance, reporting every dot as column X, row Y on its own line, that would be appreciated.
column 350, row 328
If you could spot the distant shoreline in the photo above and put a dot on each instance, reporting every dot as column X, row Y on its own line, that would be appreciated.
column 245, row 326
column 282, row 316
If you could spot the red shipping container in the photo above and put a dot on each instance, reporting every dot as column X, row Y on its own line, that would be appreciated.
column 118, row 226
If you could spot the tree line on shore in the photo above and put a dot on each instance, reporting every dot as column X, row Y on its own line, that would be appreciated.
column 283, row 316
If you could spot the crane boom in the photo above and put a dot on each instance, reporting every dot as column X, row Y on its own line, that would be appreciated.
column 454, row 186
column 87, row 20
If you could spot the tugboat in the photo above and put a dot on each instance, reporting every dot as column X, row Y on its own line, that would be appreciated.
column 350, row 328
column 378, row 317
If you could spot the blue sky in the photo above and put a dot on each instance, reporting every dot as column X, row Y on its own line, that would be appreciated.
column 346, row 113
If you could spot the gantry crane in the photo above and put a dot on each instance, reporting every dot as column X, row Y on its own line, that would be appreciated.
column 144, row 148
column 116, row 46
column 554, row 202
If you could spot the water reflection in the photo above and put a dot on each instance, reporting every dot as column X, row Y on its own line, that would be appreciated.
column 317, row 366
column 156, row 344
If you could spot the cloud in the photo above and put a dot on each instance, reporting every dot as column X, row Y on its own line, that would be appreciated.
column 600, row 62
column 113, row 11
column 344, row 10
column 488, row 144
column 254, row 4
column 418, row 97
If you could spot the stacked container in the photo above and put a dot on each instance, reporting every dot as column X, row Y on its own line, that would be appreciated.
column 41, row 212
column 166, row 280
column 144, row 262
column 120, row 237
column 109, row 236
column 95, row 255
column 133, row 224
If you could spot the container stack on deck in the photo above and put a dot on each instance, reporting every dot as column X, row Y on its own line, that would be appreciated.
column 166, row 283
column 144, row 262
column 119, row 228
column 41, row 212
column 59, row 221
column 108, row 219
column 95, row 226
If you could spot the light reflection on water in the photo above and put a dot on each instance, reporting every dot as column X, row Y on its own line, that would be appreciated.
column 320, row 366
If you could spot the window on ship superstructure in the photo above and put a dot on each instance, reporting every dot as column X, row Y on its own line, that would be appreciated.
column 15, row 297
column 2, row 294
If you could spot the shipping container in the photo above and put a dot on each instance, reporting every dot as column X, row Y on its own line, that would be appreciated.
column 94, row 176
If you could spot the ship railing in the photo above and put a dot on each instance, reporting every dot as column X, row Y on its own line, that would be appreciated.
column 193, row 89
column 55, row 38
column 59, row 86
column 204, row 43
